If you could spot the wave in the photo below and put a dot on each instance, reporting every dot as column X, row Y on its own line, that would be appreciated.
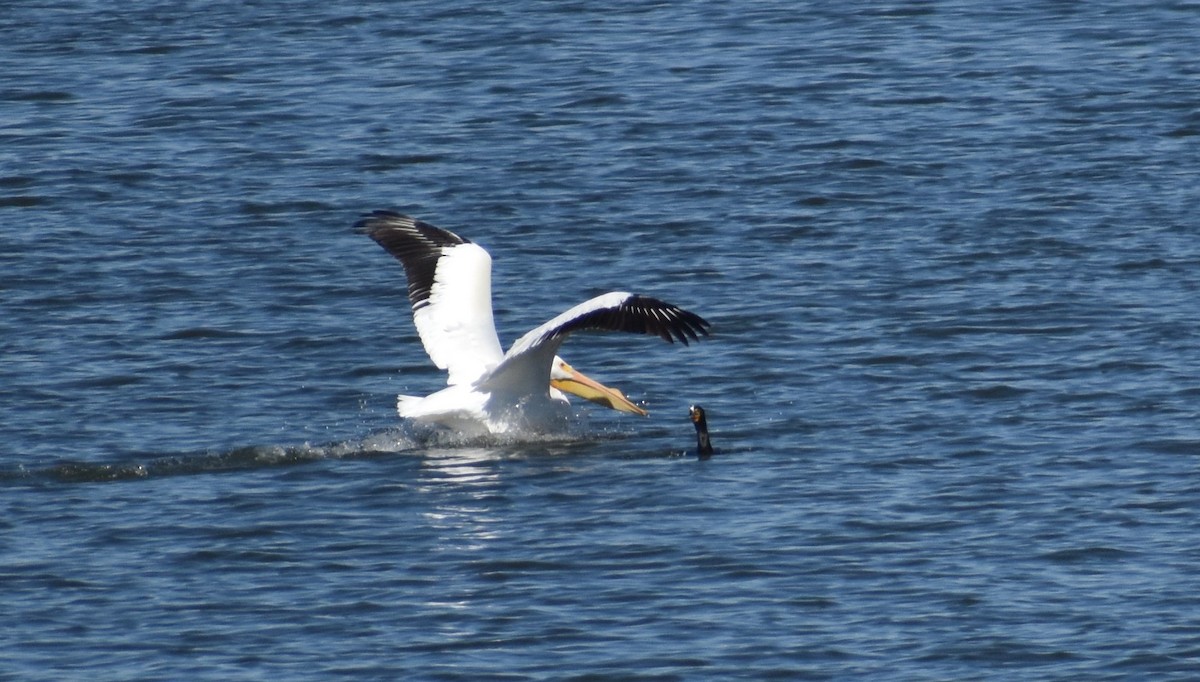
column 392, row 441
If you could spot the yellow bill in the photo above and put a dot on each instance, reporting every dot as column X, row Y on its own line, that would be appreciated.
column 568, row 380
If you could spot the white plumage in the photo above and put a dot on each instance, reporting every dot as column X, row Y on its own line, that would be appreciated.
column 490, row 391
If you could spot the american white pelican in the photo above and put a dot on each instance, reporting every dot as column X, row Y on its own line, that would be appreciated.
column 490, row 391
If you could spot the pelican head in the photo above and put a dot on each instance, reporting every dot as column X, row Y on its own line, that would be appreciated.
column 570, row 380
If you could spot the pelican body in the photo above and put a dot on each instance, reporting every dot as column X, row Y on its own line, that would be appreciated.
column 491, row 391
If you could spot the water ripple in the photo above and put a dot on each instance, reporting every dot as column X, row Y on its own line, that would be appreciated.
column 947, row 251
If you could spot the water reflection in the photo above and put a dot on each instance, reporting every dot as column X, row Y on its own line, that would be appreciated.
column 471, row 467
column 465, row 488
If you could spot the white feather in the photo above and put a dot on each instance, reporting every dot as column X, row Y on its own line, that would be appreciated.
column 456, row 326
column 544, row 333
column 527, row 363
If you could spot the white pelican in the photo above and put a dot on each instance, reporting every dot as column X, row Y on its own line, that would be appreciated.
column 490, row 391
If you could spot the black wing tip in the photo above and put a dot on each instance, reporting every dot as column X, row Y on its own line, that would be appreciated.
column 418, row 246
column 691, row 325
column 668, row 321
column 379, row 221
column 380, row 218
column 635, row 314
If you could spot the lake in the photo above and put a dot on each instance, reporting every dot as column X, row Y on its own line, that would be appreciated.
column 949, row 251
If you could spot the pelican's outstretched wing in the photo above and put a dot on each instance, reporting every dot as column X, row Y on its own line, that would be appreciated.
column 450, row 288
column 617, row 311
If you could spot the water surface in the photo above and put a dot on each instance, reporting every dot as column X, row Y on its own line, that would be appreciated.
column 949, row 255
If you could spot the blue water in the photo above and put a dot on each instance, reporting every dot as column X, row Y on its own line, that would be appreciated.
column 949, row 252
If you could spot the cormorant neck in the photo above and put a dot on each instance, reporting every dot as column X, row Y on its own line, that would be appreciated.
column 703, row 445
